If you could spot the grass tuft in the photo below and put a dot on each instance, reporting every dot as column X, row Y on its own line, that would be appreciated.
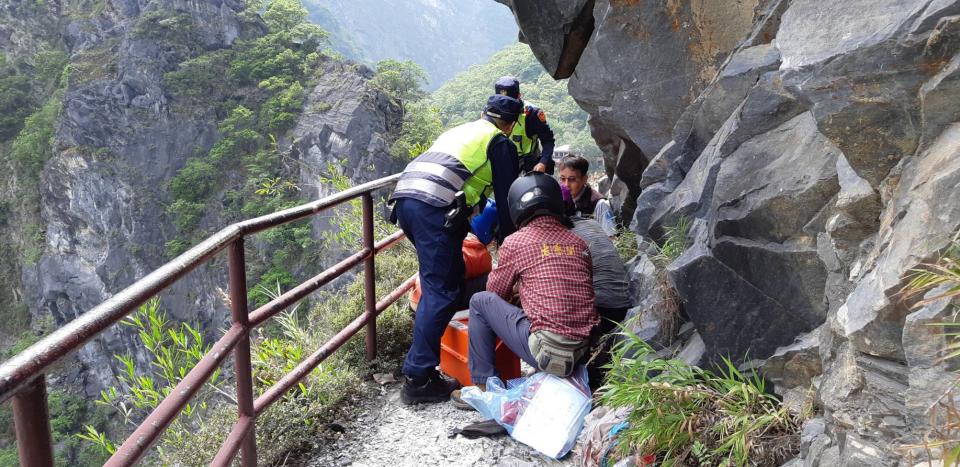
column 945, row 271
column 686, row 415
column 943, row 439
column 675, row 241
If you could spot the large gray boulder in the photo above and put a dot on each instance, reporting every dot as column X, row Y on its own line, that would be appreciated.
column 642, row 64
column 559, row 31
column 816, row 154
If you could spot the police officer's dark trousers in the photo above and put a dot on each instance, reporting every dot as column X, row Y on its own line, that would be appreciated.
column 439, row 252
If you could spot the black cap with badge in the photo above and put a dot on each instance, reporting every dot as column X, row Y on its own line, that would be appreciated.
column 503, row 107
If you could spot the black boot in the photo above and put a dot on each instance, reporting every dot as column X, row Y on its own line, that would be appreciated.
column 432, row 387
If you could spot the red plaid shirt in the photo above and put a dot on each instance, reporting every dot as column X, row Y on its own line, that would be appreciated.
column 553, row 267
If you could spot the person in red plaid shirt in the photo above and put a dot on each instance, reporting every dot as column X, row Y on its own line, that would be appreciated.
column 551, row 267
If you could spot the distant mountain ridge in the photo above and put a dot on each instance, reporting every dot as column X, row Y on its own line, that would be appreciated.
column 445, row 37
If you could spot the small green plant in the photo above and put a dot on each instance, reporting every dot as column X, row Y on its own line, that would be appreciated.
column 98, row 439
column 321, row 107
column 944, row 436
column 626, row 244
column 675, row 241
column 173, row 349
column 34, row 241
column 945, row 271
column 276, row 187
column 687, row 415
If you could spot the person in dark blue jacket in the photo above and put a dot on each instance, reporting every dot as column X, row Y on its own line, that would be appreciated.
column 434, row 198
column 531, row 131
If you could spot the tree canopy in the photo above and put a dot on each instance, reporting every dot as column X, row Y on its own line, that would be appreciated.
column 462, row 98
column 403, row 80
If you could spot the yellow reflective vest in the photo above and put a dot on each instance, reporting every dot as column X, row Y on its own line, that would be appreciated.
column 456, row 161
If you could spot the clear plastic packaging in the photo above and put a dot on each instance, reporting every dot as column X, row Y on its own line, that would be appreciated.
column 543, row 411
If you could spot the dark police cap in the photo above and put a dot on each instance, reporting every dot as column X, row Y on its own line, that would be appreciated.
column 504, row 107
column 507, row 86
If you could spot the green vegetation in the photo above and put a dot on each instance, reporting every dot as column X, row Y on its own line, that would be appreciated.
column 943, row 440
column 14, row 104
column 404, row 80
column 261, row 85
column 174, row 350
column 66, row 413
column 31, row 90
column 81, row 9
column 160, row 25
column 93, row 64
column 462, row 98
column 626, row 244
column 945, row 272
column 686, row 415
column 296, row 419
column 34, row 145
column 674, row 242
column 421, row 127
column 17, row 99
column 34, row 239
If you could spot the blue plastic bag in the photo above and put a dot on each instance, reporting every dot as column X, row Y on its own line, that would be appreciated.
column 543, row 411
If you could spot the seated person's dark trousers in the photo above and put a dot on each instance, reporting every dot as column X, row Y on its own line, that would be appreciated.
column 492, row 317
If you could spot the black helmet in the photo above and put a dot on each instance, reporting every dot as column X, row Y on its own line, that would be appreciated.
column 532, row 195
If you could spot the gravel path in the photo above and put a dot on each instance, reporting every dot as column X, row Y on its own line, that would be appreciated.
column 381, row 431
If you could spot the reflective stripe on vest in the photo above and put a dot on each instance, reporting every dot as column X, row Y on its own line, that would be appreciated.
column 434, row 168
column 440, row 192
column 456, row 161
column 525, row 144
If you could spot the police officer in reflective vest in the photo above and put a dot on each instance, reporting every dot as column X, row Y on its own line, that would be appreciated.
column 434, row 198
column 531, row 131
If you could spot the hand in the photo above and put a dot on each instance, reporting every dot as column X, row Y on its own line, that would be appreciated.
column 540, row 167
column 515, row 296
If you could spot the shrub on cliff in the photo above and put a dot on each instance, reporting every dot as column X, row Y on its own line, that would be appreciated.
column 402, row 80
column 685, row 415
column 421, row 126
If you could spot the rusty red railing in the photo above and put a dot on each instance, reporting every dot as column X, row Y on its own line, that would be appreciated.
column 23, row 379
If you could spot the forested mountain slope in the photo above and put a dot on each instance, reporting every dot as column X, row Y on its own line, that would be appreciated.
column 442, row 36
column 460, row 99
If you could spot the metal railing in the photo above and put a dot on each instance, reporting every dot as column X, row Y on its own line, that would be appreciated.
column 23, row 379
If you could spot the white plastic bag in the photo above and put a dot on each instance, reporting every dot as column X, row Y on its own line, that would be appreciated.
column 543, row 411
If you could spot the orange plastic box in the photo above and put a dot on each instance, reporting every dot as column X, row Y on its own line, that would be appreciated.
column 454, row 349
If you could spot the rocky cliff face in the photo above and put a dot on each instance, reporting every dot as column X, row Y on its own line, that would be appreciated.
column 816, row 148
column 121, row 136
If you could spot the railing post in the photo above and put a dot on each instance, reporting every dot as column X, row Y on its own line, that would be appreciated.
column 241, row 354
column 32, row 420
column 369, row 278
